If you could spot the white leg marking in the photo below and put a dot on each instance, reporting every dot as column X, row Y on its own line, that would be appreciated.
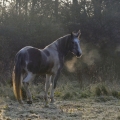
column 26, row 81
column 30, row 76
column 47, row 86
column 52, row 89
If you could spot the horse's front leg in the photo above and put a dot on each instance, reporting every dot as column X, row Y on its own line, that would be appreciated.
column 54, row 82
column 47, row 86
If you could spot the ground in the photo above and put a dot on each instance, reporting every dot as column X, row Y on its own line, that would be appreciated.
column 82, row 109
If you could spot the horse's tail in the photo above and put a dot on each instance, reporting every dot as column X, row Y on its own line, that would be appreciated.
column 17, row 78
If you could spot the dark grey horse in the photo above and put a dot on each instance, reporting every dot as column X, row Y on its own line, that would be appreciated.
column 31, row 61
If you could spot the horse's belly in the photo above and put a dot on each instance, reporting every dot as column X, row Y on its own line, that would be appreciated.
column 39, row 68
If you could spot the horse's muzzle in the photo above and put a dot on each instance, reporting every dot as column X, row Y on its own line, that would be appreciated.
column 79, row 54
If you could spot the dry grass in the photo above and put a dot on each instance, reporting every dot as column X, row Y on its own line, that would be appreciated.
column 96, row 101
column 6, row 91
column 68, row 90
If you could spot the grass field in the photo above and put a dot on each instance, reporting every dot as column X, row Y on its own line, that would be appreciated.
column 97, row 101
column 83, row 109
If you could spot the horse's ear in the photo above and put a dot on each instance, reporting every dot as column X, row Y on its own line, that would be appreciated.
column 72, row 34
column 79, row 33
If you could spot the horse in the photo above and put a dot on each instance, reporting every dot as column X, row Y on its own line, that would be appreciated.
column 31, row 61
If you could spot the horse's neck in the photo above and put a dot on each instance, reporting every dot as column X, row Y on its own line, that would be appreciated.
column 52, row 46
column 60, row 45
column 63, row 45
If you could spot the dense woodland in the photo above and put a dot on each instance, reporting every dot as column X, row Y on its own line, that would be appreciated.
column 40, row 22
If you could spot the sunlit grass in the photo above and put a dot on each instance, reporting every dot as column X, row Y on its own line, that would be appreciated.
column 66, row 90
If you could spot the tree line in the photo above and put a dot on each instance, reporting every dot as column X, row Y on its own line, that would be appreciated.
column 39, row 22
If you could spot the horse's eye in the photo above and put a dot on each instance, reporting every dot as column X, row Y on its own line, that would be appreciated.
column 72, row 42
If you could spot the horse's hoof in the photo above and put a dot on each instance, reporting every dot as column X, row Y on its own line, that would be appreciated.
column 21, row 102
column 52, row 101
column 29, row 102
column 46, row 106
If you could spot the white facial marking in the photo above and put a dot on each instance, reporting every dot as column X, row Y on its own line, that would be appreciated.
column 76, row 40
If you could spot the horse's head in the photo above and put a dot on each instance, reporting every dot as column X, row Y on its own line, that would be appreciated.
column 75, row 44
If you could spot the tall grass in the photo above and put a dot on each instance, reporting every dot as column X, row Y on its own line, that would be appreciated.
column 68, row 89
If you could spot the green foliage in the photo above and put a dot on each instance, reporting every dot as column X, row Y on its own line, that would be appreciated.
column 66, row 91
column 85, row 94
column 103, row 98
column 58, row 93
column 116, row 94
column 104, row 90
column 97, row 91
column 38, row 23
column 67, row 95
column 6, row 91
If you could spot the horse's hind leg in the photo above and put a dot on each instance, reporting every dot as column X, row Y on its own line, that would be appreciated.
column 47, row 86
column 26, row 81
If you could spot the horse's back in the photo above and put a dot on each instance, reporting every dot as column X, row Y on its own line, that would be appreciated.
column 38, row 61
column 30, row 57
column 30, row 51
column 23, row 51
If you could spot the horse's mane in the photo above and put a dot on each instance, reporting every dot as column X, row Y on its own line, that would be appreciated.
column 63, row 43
